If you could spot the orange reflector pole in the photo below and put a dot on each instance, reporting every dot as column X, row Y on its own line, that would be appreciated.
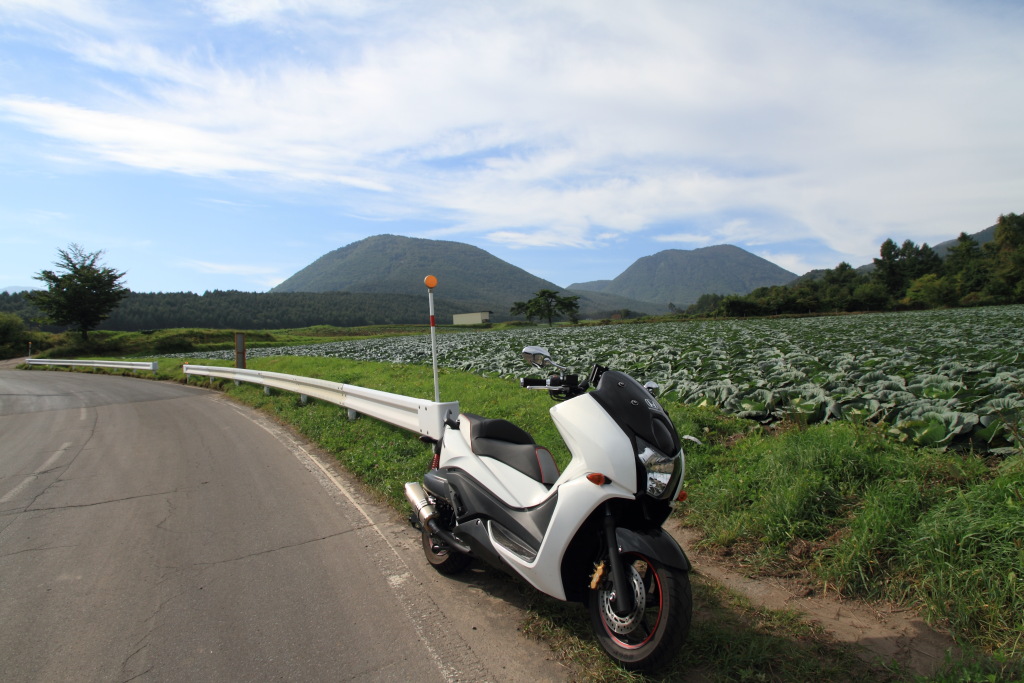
column 598, row 478
column 430, row 281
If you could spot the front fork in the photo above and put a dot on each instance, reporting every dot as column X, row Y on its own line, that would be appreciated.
column 621, row 587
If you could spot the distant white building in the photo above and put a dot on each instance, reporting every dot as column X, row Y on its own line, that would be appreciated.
column 471, row 318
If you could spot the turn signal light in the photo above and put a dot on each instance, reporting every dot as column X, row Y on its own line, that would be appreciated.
column 598, row 478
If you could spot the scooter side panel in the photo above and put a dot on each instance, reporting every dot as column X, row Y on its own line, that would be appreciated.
column 576, row 500
column 473, row 503
column 596, row 442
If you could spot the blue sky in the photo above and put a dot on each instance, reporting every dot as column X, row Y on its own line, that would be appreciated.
column 226, row 144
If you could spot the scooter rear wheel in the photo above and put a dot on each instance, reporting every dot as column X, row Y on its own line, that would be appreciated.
column 444, row 560
column 652, row 633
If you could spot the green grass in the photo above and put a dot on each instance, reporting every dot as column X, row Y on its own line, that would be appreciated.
column 873, row 519
column 968, row 556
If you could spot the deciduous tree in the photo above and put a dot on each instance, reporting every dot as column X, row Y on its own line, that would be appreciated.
column 548, row 305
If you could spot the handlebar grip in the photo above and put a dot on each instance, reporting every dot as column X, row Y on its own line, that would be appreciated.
column 526, row 382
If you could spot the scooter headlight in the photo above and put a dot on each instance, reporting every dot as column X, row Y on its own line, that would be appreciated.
column 663, row 471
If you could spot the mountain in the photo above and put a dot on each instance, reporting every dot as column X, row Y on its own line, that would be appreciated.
column 14, row 289
column 397, row 265
column 468, row 277
column 681, row 276
column 983, row 237
column 592, row 286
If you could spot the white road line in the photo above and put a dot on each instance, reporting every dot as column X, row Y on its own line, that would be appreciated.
column 10, row 495
column 53, row 458
column 18, row 489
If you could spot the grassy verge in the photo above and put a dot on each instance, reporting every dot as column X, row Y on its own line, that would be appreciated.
column 861, row 514
column 875, row 519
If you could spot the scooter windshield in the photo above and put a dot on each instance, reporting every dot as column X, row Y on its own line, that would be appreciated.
column 635, row 410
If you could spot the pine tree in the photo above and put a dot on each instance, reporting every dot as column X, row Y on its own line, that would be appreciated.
column 80, row 293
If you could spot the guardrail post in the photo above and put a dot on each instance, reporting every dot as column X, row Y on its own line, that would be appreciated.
column 352, row 415
column 240, row 350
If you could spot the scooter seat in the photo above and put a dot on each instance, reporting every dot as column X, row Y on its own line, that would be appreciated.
column 507, row 443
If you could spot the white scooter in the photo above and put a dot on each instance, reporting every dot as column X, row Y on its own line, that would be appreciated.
column 591, row 534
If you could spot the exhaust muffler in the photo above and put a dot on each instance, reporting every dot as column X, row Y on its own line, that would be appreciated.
column 426, row 513
column 421, row 505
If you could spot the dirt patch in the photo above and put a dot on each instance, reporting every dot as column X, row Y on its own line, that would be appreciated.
column 881, row 631
column 11, row 363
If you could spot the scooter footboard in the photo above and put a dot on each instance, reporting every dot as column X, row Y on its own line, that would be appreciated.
column 656, row 544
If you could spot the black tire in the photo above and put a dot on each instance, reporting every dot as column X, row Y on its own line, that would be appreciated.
column 653, row 633
column 444, row 560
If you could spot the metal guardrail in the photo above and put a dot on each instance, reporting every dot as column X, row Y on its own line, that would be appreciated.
column 417, row 415
column 128, row 365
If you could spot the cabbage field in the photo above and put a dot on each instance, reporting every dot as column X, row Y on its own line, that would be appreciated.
column 934, row 378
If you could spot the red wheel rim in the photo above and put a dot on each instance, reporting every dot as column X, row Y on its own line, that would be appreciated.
column 640, row 617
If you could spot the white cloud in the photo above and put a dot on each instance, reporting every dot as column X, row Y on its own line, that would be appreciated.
column 571, row 123
column 794, row 263
column 683, row 238
column 265, row 11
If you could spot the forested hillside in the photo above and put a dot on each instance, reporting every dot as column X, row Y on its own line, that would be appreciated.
column 904, row 276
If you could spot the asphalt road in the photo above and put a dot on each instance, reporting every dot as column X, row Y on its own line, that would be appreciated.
column 158, row 532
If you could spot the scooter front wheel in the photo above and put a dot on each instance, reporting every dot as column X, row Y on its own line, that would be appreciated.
column 651, row 634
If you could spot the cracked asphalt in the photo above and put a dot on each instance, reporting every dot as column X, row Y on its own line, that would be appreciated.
column 158, row 532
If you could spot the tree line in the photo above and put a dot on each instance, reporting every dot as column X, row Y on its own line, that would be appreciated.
column 903, row 277
column 244, row 310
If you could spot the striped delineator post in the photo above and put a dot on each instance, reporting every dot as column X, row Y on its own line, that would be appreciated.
column 430, row 281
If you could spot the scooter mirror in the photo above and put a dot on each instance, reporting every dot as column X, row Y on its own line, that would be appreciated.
column 652, row 388
column 537, row 355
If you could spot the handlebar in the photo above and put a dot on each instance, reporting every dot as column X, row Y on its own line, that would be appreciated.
column 564, row 386
column 559, row 387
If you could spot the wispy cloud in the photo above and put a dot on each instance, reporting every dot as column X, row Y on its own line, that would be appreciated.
column 567, row 123
column 683, row 238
